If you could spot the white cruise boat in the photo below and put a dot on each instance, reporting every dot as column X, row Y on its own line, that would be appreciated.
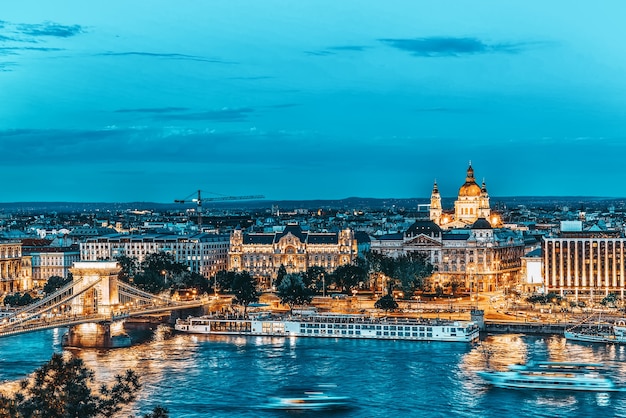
column 334, row 326
column 552, row 376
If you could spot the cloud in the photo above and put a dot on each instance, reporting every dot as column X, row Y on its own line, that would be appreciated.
column 332, row 50
column 443, row 46
column 322, row 53
column 164, row 55
column 222, row 115
column 348, row 48
column 49, row 29
column 13, row 50
column 6, row 66
column 154, row 110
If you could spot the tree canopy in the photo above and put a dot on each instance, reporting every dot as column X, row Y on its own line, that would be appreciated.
column 280, row 275
column 292, row 291
column 348, row 276
column 61, row 388
column 55, row 282
column 244, row 289
column 406, row 272
column 158, row 272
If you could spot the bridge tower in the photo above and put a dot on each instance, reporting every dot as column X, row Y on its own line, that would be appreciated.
column 103, row 297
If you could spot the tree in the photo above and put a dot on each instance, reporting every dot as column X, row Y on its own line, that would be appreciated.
column 62, row 389
column 314, row 278
column 410, row 271
column 19, row 299
column 224, row 280
column 150, row 281
column 129, row 265
column 54, row 283
column 348, row 276
column 282, row 272
column 610, row 300
column 192, row 280
column 244, row 289
column 162, row 262
column 386, row 303
column 292, row 291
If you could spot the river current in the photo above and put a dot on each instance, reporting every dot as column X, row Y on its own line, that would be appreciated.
column 213, row 376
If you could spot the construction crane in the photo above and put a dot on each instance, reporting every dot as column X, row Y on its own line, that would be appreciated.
column 198, row 200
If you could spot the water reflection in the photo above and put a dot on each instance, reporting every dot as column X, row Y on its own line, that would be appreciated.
column 199, row 376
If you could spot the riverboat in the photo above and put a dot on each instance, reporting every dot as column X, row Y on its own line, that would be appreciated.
column 552, row 376
column 334, row 326
column 308, row 399
column 597, row 332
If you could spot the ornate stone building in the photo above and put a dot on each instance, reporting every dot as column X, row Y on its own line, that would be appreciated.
column 262, row 254
column 472, row 203
column 15, row 275
column 479, row 258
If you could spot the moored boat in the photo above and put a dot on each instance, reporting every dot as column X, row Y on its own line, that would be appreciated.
column 597, row 332
column 334, row 326
column 552, row 376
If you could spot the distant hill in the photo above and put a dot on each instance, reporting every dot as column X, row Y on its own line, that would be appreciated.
column 359, row 203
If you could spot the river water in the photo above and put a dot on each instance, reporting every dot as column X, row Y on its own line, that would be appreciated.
column 213, row 376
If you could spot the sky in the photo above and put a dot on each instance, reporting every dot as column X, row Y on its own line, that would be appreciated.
column 118, row 101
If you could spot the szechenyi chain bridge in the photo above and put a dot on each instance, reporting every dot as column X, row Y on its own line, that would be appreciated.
column 94, row 306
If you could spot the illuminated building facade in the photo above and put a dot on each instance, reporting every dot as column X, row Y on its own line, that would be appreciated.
column 15, row 275
column 479, row 258
column 585, row 264
column 47, row 260
column 262, row 254
column 205, row 254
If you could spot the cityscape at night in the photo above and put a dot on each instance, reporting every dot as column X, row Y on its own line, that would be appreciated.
column 356, row 208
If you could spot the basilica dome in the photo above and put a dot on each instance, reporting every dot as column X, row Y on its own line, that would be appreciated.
column 470, row 188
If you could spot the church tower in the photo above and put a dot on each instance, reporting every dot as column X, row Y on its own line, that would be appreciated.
column 435, row 205
column 484, row 211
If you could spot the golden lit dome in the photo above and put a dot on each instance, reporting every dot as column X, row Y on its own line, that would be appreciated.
column 470, row 188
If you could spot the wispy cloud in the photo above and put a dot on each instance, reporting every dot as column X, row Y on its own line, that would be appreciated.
column 332, row 50
column 174, row 56
column 321, row 53
column 348, row 48
column 154, row 110
column 14, row 50
column 444, row 46
column 6, row 66
column 222, row 115
column 49, row 29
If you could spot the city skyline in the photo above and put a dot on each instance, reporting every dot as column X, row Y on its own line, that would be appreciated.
column 105, row 102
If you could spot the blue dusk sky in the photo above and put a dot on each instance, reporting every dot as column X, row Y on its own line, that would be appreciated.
column 104, row 101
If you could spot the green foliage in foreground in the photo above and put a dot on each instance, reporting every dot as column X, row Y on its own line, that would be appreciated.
column 62, row 389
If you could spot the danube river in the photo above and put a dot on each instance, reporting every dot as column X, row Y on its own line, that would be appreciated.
column 201, row 376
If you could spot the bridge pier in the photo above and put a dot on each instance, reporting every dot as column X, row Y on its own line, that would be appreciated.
column 97, row 335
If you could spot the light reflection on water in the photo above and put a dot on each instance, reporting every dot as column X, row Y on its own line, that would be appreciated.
column 197, row 376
